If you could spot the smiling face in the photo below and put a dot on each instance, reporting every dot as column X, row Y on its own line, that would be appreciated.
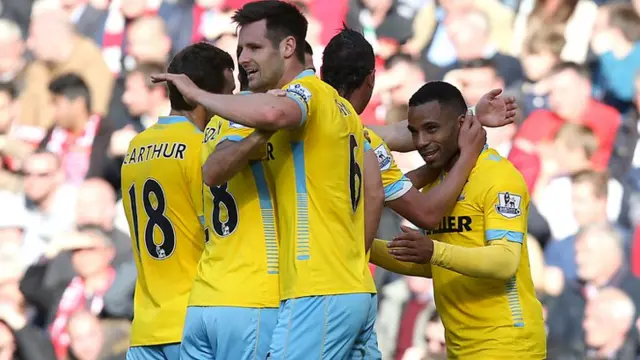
column 260, row 57
column 434, row 129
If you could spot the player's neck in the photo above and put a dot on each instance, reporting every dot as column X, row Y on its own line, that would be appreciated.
column 447, row 167
column 290, row 73
column 191, row 115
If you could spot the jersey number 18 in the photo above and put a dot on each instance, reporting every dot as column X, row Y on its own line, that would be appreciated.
column 155, row 218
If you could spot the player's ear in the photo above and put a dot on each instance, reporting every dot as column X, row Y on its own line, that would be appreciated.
column 460, row 121
column 288, row 47
column 371, row 79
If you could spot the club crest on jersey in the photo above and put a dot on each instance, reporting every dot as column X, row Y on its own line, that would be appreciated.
column 299, row 91
column 384, row 158
column 509, row 205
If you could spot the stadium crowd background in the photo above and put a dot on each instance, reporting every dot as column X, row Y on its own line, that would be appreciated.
column 75, row 89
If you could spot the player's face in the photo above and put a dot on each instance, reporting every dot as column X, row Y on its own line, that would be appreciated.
column 434, row 130
column 263, row 62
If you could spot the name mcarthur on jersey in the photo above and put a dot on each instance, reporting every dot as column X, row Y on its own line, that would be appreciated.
column 149, row 152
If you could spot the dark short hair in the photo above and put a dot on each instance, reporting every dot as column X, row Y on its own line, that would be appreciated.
column 398, row 58
column 147, row 69
column 581, row 70
column 347, row 60
column 308, row 49
column 204, row 64
column 442, row 92
column 9, row 88
column 282, row 19
column 71, row 86
column 479, row 64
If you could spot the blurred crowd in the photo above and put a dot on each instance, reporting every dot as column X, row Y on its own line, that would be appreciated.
column 75, row 89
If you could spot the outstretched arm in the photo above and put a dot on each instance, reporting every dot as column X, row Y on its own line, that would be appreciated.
column 492, row 111
column 380, row 256
column 505, row 221
column 260, row 111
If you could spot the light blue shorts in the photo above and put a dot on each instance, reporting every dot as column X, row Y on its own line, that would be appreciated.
column 154, row 352
column 221, row 333
column 326, row 327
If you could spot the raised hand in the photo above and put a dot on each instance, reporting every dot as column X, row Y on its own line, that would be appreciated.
column 411, row 246
column 473, row 136
column 493, row 110
column 187, row 88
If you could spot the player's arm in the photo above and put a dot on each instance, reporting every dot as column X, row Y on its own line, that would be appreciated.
column 232, row 153
column 491, row 110
column 396, row 136
column 505, row 227
column 381, row 257
column 373, row 195
column 426, row 209
column 259, row 111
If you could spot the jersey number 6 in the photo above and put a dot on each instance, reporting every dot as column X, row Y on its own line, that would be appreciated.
column 155, row 217
column 354, row 172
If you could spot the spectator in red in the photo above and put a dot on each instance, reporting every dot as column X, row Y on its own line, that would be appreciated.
column 92, row 253
column 79, row 137
column 570, row 101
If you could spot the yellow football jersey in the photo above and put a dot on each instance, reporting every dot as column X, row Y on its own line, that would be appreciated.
column 162, row 199
column 394, row 182
column 484, row 318
column 317, row 173
column 239, row 266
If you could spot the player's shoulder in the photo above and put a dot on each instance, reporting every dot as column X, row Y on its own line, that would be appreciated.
column 492, row 169
column 305, row 85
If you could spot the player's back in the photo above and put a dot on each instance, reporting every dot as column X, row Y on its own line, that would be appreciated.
column 162, row 198
column 239, row 266
column 489, row 317
column 318, row 182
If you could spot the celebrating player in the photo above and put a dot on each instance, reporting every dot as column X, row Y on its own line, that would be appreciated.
column 162, row 198
column 348, row 65
column 317, row 169
column 478, row 255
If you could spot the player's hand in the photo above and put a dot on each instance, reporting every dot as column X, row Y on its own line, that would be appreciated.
column 277, row 92
column 411, row 246
column 187, row 88
column 472, row 137
column 496, row 111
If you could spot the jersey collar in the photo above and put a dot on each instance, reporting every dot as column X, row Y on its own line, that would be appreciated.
column 166, row 120
column 305, row 73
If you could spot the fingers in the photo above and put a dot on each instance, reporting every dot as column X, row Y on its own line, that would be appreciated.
column 510, row 103
column 408, row 230
column 277, row 92
column 403, row 252
column 156, row 78
column 399, row 243
column 408, row 258
column 494, row 93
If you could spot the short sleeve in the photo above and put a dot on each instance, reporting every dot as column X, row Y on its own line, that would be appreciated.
column 233, row 132
column 506, row 206
column 395, row 183
column 301, row 94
